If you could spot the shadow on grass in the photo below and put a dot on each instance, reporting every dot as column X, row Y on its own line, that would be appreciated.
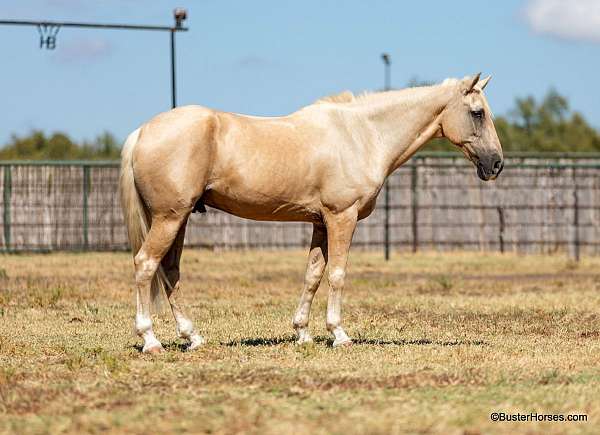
column 275, row 341
column 289, row 339
column 419, row 342
column 261, row 341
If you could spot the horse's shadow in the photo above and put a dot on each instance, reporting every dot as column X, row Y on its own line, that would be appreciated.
column 261, row 341
column 276, row 341
column 417, row 342
column 290, row 339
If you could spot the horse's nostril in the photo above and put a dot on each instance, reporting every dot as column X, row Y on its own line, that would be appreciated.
column 498, row 165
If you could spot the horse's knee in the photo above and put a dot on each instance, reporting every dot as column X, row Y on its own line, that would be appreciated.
column 337, row 277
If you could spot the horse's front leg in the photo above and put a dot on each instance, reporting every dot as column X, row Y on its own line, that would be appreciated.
column 317, row 260
column 340, row 228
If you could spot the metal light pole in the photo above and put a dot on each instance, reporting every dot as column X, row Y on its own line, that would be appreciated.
column 387, row 62
column 180, row 15
column 173, row 76
column 387, row 77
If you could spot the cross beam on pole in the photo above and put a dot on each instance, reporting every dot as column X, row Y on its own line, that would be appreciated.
column 176, row 28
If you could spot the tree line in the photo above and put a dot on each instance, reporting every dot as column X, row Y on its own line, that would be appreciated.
column 59, row 146
column 533, row 125
column 545, row 125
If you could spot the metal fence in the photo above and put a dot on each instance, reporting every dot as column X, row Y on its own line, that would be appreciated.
column 539, row 204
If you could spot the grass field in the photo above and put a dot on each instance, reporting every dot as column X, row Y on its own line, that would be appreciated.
column 441, row 341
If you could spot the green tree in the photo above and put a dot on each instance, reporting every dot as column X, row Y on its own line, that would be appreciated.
column 58, row 146
column 547, row 125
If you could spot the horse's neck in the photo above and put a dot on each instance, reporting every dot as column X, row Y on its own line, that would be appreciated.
column 404, row 120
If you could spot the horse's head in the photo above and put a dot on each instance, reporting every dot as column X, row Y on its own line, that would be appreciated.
column 467, row 122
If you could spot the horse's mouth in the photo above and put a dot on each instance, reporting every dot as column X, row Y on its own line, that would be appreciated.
column 482, row 174
column 469, row 154
column 473, row 158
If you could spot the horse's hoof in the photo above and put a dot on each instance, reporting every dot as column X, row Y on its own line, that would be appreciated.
column 344, row 342
column 196, row 342
column 153, row 350
column 303, row 337
column 304, row 340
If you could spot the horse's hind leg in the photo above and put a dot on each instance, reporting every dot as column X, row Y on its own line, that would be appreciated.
column 317, row 260
column 185, row 327
column 158, row 241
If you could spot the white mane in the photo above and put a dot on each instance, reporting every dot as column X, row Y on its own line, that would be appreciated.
column 450, row 81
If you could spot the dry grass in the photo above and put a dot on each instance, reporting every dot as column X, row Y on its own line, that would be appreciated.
column 442, row 340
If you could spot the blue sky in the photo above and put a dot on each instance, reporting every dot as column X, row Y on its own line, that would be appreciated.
column 272, row 57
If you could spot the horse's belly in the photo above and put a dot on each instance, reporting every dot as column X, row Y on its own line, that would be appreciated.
column 260, row 207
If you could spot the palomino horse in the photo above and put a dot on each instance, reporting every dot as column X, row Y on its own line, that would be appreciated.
column 324, row 164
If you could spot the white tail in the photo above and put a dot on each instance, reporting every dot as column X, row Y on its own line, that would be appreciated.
column 135, row 213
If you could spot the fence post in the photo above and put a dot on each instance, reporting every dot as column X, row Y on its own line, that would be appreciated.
column 576, row 241
column 414, row 206
column 7, row 193
column 86, row 189
column 386, row 221
column 501, row 229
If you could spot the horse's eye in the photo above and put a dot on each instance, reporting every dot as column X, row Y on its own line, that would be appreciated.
column 477, row 114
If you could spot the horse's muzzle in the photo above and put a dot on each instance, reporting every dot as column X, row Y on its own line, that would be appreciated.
column 489, row 169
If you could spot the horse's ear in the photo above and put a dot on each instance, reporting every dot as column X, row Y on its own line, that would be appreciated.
column 470, row 83
column 482, row 84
